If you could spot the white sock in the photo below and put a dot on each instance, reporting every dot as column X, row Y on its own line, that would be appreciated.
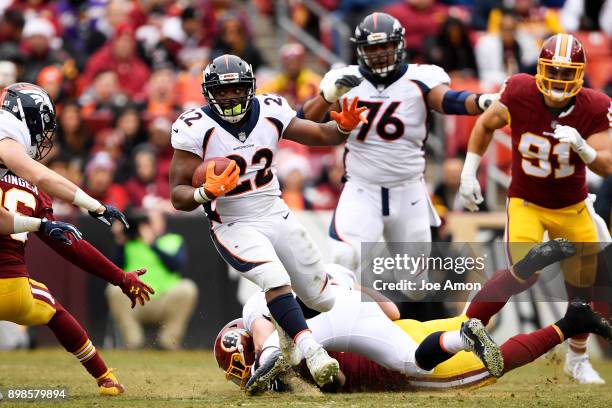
column 265, row 354
column 576, row 344
column 451, row 341
column 306, row 343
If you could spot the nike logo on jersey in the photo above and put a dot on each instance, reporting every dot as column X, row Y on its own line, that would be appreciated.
column 286, row 215
column 414, row 202
column 175, row 130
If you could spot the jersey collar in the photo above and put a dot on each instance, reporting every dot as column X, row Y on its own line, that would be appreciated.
column 384, row 81
column 240, row 132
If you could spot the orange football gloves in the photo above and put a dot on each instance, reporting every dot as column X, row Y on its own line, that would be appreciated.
column 350, row 116
column 224, row 182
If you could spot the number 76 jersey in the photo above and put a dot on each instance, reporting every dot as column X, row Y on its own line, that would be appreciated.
column 546, row 172
column 389, row 149
column 253, row 146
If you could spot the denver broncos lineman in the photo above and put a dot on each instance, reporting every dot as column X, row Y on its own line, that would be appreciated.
column 385, row 195
column 251, row 226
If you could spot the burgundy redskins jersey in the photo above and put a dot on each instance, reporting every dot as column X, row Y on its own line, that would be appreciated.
column 546, row 172
column 17, row 195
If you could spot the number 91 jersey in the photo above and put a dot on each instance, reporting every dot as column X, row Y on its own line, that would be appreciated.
column 388, row 150
column 546, row 172
column 252, row 145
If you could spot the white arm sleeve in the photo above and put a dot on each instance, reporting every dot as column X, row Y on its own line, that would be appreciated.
column 13, row 128
column 253, row 309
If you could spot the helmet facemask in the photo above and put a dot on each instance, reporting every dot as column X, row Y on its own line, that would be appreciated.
column 559, row 80
column 40, row 121
column 238, row 371
column 230, row 107
column 380, row 57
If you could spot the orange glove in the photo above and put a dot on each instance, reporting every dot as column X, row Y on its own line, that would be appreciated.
column 223, row 183
column 349, row 117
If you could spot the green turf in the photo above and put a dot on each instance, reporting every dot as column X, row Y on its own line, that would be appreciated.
column 191, row 379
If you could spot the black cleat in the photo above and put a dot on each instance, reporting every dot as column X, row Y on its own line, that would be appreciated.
column 543, row 255
column 262, row 378
column 478, row 341
column 583, row 319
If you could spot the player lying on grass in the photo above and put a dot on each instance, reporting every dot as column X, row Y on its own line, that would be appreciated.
column 372, row 349
column 28, row 302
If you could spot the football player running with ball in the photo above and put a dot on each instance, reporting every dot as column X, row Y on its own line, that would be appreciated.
column 385, row 194
column 558, row 129
column 251, row 226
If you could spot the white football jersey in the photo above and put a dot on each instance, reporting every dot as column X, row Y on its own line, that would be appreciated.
column 389, row 149
column 13, row 128
column 253, row 146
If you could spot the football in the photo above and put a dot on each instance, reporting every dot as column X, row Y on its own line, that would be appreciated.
column 199, row 175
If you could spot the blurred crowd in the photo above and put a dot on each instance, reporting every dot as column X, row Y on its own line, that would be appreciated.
column 121, row 71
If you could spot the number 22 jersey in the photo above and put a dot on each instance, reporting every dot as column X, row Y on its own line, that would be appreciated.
column 546, row 172
column 253, row 146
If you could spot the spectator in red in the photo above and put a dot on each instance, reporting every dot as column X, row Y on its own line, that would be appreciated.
column 326, row 194
column 35, row 9
column 188, row 87
column 120, row 56
column 11, row 27
column 72, row 136
column 232, row 38
column 99, row 184
column 296, row 82
column 421, row 19
column 159, row 138
column 145, row 189
column 36, row 47
column 452, row 50
column 104, row 96
column 161, row 94
column 128, row 121
column 51, row 80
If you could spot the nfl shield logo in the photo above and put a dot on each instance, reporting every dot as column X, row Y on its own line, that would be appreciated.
column 242, row 136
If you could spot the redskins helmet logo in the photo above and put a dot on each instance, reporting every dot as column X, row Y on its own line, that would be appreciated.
column 231, row 339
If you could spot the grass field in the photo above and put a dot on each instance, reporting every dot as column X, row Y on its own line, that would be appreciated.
column 192, row 379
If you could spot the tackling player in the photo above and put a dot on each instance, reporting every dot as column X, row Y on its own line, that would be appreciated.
column 558, row 129
column 13, row 223
column 407, row 347
column 251, row 226
column 27, row 123
column 29, row 302
column 385, row 193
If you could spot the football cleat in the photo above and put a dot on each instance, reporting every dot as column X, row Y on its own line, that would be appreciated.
column 581, row 370
column 322, row 367
column 585, row 320
column 262, row 378
column 476, row 339
column 109, row 385
column 543, row 255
